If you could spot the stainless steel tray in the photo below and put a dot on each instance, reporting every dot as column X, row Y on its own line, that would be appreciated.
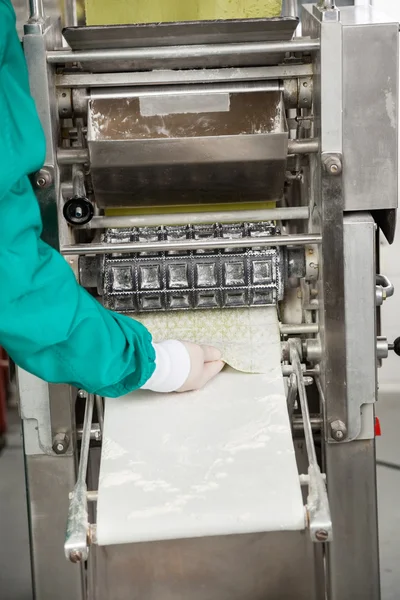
column 180, row 33
column 187, row 149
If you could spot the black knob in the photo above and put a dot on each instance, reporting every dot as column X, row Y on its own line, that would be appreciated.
column 78, row 211
column 396, row 346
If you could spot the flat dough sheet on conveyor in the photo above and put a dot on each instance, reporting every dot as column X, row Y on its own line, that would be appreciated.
column 242, row 334
column 213, row 462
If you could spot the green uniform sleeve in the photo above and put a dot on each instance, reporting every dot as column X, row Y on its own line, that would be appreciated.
column 49, row 325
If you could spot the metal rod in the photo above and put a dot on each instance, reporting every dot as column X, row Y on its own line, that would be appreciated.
column 186, row 90
column 320, row 522
column 95, row 432
column 228, row 216
column 93, row 533
column 189, row 76
column 85, row 445
column 291, row 395
column 36, row 10
column 71, row 17
column 78, row 181
column 132, row 247
column 92, row 495
column 100, row 413
column 295, row 360
column 176, row 52
column 326, row 4
column 72, row 156
column 287, row 370
column 309, row 146
column 320, row 391
column 298, row 424
column 302, row 328
column 290, row 8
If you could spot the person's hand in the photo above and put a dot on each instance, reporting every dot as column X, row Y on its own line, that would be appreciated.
column 205, row 363
column 183, row 366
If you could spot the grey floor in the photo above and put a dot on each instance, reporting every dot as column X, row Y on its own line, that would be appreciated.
column 14, row 555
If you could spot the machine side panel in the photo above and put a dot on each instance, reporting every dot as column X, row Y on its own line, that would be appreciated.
column 370, row 116
column 353, row 556
column 327, row 214
column 235, row 567
column 49, row 482
column 359, row 278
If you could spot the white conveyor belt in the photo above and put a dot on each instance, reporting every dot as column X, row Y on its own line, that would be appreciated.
column 213, row 462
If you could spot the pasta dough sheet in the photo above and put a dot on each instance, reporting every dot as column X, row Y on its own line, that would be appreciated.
column 242, row 335
column 104, row 12
column 217, row 461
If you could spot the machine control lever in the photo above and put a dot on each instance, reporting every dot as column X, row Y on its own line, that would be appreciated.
column 78, row 210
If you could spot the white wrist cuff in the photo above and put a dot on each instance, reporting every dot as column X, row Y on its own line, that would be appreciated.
column 172, row 367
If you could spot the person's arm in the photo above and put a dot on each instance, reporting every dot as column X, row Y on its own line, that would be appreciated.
column 49, row 324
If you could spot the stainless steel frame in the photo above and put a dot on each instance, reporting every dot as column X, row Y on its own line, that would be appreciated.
column 337, row 168
column 128, row 248
column 233, row 216
column 71, row 156
column 195, row 52
column 106, row 80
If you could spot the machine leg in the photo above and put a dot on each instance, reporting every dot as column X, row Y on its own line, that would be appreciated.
column 353, row 556
column 49, row 481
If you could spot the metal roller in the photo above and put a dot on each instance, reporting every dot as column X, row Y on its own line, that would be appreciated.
column 192, row 279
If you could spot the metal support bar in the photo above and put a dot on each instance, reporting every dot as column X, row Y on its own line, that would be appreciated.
column 70, row 10
column 300, row 329
column 234, row 87
column 288, row 369
column 100, row 413
column 308, row 146
column 95, row 433
column 292, row 395
column 72, row 156
column 78, row 182
column 171, row 77
column 76, row 542
column 298, row 424
column 215, row 243
column 326, row 4
column 320, row 522
column 290, row 8
column 229, row 216
column 36, row 10
column 176, row 52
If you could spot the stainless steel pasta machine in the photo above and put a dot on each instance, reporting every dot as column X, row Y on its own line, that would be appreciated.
column 222, row 164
